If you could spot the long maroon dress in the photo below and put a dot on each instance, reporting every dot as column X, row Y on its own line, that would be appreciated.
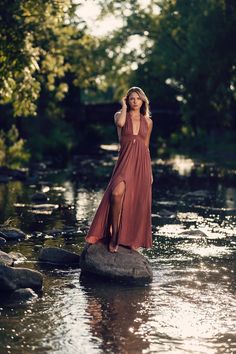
column 134, row 168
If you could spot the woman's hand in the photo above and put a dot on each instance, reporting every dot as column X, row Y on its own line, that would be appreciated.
column 152, row 179
column 123, row 102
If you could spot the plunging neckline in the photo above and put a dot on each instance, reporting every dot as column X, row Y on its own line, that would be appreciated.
column 133, row 125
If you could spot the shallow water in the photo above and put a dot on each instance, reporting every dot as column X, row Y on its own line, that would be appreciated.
column 190, row 307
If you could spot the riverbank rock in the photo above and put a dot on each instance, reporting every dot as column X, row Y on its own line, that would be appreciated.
column 17, row 278
column 11, row 234
column 6, row 259
column 125, row 265
column 59, row 257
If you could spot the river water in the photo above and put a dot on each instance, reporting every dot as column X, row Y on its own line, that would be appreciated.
column 190, row 307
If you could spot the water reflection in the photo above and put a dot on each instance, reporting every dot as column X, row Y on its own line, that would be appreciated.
column 183, row 165
column 230, row 198
column 116, row 314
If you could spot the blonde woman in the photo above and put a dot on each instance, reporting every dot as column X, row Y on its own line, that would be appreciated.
column 123, row 216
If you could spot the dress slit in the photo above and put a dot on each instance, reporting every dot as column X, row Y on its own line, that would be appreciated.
column 109, row 225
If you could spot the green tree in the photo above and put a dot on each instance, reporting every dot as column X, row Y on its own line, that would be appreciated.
column 188, row 55
column 45, row 51
column 24, row 25
column 12, row 149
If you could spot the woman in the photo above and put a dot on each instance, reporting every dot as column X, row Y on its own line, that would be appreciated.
column 124, row 214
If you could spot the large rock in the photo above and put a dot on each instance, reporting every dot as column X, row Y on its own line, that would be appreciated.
column 17, row 278
column 59, row 257
column 6, row 259
column 126, row 264
column 11, row 233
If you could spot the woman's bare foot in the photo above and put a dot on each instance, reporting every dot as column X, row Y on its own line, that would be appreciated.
column 113, row 247
column 134, row 248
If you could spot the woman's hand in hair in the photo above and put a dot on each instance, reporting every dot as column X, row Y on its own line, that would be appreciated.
column 124, row 102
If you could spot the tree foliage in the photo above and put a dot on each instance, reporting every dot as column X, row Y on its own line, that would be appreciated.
column 23, row 24
column 40, row 42
column 12, row 149
column 188, row 55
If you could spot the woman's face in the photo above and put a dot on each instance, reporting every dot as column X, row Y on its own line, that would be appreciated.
column 135, row 101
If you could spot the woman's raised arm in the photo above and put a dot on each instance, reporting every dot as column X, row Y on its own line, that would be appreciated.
column 120, row 117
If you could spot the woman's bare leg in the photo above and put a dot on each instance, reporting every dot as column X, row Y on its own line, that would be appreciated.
column 116, row 205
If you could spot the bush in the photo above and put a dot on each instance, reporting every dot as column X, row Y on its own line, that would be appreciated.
column 13, row 152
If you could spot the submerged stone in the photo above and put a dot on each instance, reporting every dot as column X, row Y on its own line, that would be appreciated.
column 193, row 233
column 22, row 295
column 125, row 265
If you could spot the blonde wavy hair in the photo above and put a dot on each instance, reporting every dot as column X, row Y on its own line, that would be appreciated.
column 144, row 110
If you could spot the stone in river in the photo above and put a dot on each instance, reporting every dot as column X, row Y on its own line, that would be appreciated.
column 17, row 278
column 193, row 233
column 11, row 233
column 58, row 256
column 17, row 256
column 6, row 259
column 22, row 295
column 125, row 265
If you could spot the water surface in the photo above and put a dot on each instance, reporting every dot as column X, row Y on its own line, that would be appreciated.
column 190, row 307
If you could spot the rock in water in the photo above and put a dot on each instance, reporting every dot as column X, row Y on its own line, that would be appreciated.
column 22, row 295
column 11, row 233
column 125, row 265
column 16, row 278
column 194, row 233
column 59, row 257
column 6, row 259
column 17, row 256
